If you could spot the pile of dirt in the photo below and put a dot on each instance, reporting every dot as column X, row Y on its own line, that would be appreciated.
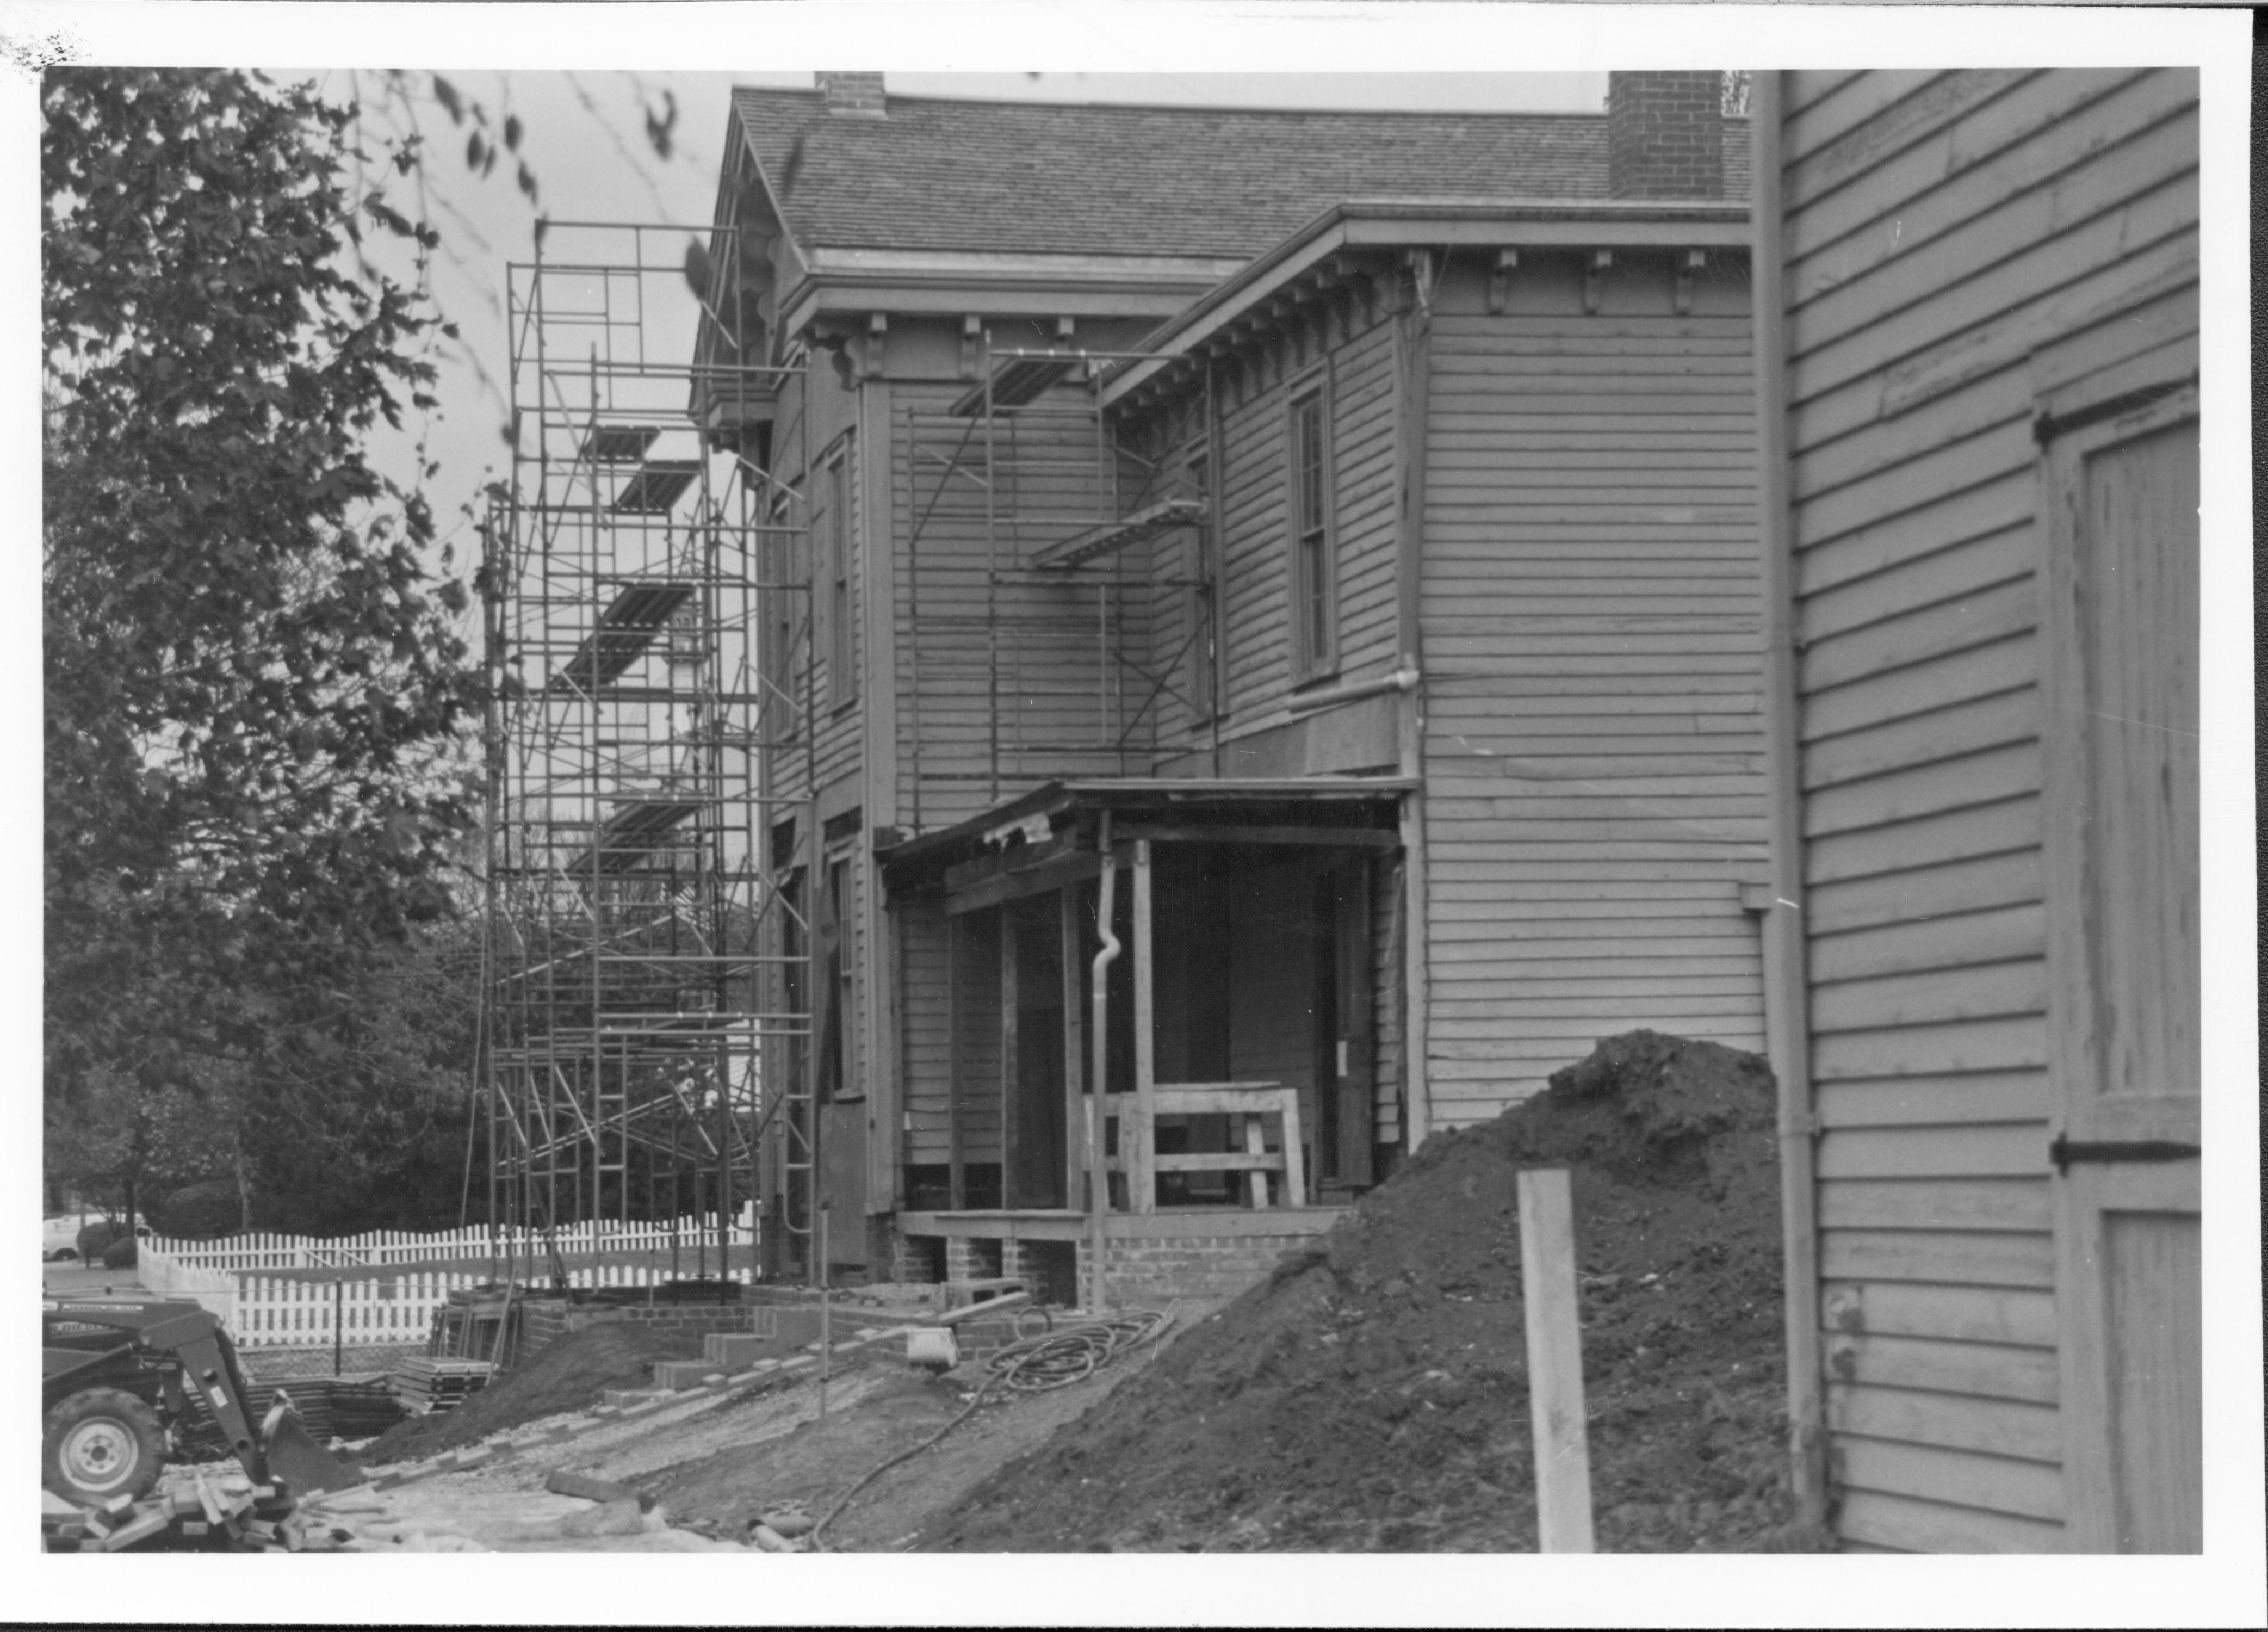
column 1373, row 1394
column 567, row 1375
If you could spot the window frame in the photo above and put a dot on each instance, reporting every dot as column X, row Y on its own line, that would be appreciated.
column 842, row 592
column 1311, row 542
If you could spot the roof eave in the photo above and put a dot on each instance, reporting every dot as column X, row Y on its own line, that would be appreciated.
column 1438, row 224
column 1057, row 285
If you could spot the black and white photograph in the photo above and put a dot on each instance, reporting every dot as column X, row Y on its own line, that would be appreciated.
column 1354, row 780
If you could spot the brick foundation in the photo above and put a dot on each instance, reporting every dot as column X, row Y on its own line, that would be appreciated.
column 1153, row 1266
column 917, row 1261
column 1156, row 1269
column 968, row 1258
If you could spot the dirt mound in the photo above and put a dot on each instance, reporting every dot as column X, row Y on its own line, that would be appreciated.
column 1373, row 1394
column 568, row 1375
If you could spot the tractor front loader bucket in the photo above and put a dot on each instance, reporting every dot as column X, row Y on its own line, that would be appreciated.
column 294, row 1457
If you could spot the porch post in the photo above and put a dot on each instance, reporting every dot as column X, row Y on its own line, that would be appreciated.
column 1142, row 1177
column 1074, row 1048
column 957, row 1181
column 1011, row 1135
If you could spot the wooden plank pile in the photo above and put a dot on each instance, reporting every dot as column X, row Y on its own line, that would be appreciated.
column 425, row 1384
column 360, row 1407
column 198, row 1513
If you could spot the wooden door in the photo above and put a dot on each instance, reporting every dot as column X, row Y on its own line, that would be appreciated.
column 2121, row 760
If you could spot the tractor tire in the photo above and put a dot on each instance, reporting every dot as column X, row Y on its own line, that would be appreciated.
column 101, row 1443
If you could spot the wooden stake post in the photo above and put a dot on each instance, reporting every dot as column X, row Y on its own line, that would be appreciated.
column 1555, row 1361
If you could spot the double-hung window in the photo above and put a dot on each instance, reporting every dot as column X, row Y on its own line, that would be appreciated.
column 1314, row 586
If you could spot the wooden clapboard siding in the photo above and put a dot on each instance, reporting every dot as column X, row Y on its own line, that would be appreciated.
column 925, row 1040
column 1054, row 675
column 1594, row 732
column 1254, row 552
column 977, row 1033
column 1942, row 233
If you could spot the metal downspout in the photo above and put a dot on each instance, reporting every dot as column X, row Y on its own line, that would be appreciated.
column 1786, row 980
column 1098, row 1179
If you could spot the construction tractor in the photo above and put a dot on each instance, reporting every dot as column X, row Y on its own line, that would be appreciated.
column 118, row 1377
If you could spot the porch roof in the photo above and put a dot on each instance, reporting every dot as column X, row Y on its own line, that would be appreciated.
column 1034, row 817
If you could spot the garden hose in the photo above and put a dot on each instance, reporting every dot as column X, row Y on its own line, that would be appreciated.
column 1034, row 1367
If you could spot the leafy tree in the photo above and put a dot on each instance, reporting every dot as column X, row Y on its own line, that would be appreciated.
column 254, row 694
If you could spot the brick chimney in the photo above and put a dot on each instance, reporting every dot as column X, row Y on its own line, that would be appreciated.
column 1664, row 135
column 853, row 96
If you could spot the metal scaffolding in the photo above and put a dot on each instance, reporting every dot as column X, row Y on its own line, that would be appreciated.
column 643, row 965
column 1024, row 586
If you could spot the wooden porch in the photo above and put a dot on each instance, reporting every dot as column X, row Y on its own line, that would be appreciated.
column 1161, row 953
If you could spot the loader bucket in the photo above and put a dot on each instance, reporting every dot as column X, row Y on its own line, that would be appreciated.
column 294, row 1457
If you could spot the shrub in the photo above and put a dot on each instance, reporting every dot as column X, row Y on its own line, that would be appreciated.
column 211, row 1207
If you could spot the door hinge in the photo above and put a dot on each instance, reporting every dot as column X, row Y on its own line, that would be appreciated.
column 2063, row 1152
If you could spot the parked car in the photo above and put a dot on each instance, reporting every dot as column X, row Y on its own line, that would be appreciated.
column 59, row 1238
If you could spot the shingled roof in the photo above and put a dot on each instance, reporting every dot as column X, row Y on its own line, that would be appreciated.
column 1088, row 178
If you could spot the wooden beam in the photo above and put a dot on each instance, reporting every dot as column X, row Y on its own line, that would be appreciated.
column 879, row 985
column 1413, row 398
column 1011, row 1133
column 957, row 1179
column 1021, row 859
column 1074, row 1058
column 1141, row 1171
column 1555, row 1361
column 1070, row 868
column 1222, row 1161
column 1227, row 833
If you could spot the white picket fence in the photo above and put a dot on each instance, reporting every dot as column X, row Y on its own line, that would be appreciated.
column 373, row 1307
column 379, row 1248
column 270, row 1311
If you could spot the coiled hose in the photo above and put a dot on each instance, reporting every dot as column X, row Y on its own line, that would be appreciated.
column 1036, row 1366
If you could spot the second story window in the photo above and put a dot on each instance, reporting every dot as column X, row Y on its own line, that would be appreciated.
column 1314, row 588
column 842, row 648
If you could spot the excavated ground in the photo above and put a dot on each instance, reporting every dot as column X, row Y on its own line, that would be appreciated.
column 569, row 1375
column 1373, row 1394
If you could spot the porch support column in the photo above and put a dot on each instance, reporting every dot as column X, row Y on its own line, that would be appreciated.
column 958, row 1181
column 1012, row 1133
column 1074, row 1057
column 1142, row 1171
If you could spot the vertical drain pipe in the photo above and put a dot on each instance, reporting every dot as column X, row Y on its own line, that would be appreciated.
column 1785, row 992
column 1098, row 1181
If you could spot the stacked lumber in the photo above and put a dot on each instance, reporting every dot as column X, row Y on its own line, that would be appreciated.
column 425, row 1383
column 362, row 1408
column 198, row 1512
